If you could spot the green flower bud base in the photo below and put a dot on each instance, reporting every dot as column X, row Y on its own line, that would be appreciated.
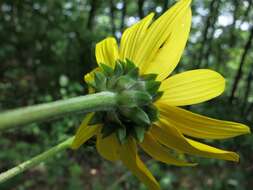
column 136, row 93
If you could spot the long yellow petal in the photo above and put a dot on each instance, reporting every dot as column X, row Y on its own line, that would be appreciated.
column 130, row 158
column 108, row 147
column 85, row 132
column 160, row 31
column 199, row 126
column 191, row 87
column 132, row 38
column 172, row 138
column 168, row 56
column 160, row 153
column 107, row 51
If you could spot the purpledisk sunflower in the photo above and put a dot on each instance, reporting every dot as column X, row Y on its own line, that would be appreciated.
column 148, row 114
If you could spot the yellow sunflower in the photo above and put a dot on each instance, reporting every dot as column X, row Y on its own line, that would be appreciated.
column 148, row 114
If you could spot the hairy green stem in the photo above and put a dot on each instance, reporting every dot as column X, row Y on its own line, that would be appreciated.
column 35, row 161
column 88, row 103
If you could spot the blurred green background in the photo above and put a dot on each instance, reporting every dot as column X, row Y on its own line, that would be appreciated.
column 46, row 46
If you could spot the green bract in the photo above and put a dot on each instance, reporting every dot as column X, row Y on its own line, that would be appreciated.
column 136, row 93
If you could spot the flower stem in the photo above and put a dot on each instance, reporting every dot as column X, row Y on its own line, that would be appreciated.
column 36, row 160
column 93, row 102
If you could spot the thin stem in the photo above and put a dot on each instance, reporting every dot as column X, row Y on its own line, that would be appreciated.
column 36, row 160
column 93, row 102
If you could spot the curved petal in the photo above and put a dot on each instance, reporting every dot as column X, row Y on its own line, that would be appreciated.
column 169, row 54
column 107, row 51
column 132, row 38
column 85, row 132
column 130, row 158
column 199, row 126
column 160, row 153
column 191, row 87
column 90, row 76
column 171, row 137
column 160, row 32
column 108, row 147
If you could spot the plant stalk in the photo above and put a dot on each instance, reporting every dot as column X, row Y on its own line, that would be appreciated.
column 89, row 103
column 36, row 160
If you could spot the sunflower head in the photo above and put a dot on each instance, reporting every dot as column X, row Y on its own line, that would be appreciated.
column 138, row 70
column 136, row 93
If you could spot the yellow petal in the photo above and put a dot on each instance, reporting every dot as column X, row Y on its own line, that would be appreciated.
column 191, row 87
column 169, row 54
column 172, row 138
column 108, row 147
column 130, row 158
column 107, row 51
column 160, row 31
column 159, row 152
column 85, row 132
column 199, row 126
column 132, row 37
column 90, row 76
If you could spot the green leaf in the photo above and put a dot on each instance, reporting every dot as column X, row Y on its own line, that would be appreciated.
column 137, row 115
column 152, row 86
column 100, row 80
column 124, row 82
column 106, row 69
column 133, row 98
column 133, row 73
column 121, row 134
column 139, row 133
column 151, row 76
column 118, row 70
column 152, row 112
column 157, row 96
column 108, row 129
column 129, row 65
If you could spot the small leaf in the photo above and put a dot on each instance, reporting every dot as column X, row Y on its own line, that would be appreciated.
column 139, row 133
column 118, row 70
column 136, row 115
column 124, row 82
column 132, row 98
column 152, row 86
column 100, row 80
column 158, row 95
column 108, row 129
column 129, row 65
column 107, row 69
column 134, row 73
column 121, row 134
column 152, row 112
column 151, row 76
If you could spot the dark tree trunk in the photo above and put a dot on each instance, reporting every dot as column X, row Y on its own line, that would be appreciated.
column 248, row 89
column 140, row 8
column 112, row 14
column 92, row 13
column 209, row 45
column 250, row 109
column 232, row 40
column 165, row 5
column 123, row 15
column 209, row 22
column 240, row 69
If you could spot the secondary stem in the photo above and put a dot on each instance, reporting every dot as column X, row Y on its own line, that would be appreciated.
column 88, row 103
column 34, row 161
